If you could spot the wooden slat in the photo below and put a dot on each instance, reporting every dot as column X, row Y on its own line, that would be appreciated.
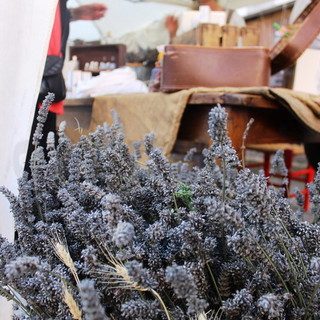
column 230, row 36
column 248, row 100
column 273, row 147
column 208, row 34
column 75, row 102
column 250, row 36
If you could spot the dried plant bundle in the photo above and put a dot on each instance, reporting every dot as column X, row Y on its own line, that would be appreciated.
column 101, row 235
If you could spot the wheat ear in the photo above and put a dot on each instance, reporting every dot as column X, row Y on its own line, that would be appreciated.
column 64, row 255
column 72, row 304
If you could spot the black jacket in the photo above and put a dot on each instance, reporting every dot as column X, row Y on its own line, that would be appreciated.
column 65, row 20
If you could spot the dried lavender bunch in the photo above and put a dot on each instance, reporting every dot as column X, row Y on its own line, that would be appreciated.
column 100, row 235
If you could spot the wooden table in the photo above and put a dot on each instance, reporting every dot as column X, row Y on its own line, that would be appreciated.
column 272, row 123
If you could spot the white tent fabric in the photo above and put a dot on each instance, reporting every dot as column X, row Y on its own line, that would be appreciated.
column 25, row 31
column 140, row 24
column 124, row 16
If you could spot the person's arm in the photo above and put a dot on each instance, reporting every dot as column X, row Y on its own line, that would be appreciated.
column 171, row 24
column 93, row 11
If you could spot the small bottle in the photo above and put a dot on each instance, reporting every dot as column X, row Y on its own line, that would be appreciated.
column 103, row 63
column 68, row 72
column 74, row 63
column 112, row 64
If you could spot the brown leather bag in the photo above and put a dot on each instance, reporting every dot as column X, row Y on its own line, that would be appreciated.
column 303, row 32
column 186, row 66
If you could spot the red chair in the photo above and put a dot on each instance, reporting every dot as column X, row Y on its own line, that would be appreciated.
column 305, row 175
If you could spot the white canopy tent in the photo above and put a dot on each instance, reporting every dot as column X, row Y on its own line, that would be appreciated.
column 25, row 30
column 125, row 16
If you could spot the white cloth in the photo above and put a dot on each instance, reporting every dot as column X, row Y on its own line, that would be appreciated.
column 236, row 20
column 25, row 28
column 149, row 37
column 118, row 81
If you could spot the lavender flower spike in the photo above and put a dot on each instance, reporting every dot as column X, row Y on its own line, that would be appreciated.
column 124, row 234
column 91, row 302
column 42, row 117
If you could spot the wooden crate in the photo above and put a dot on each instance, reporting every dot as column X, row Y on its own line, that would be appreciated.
column 213, row 35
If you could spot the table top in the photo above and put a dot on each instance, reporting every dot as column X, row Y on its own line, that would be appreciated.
column 273, row 123
column 248, row 100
